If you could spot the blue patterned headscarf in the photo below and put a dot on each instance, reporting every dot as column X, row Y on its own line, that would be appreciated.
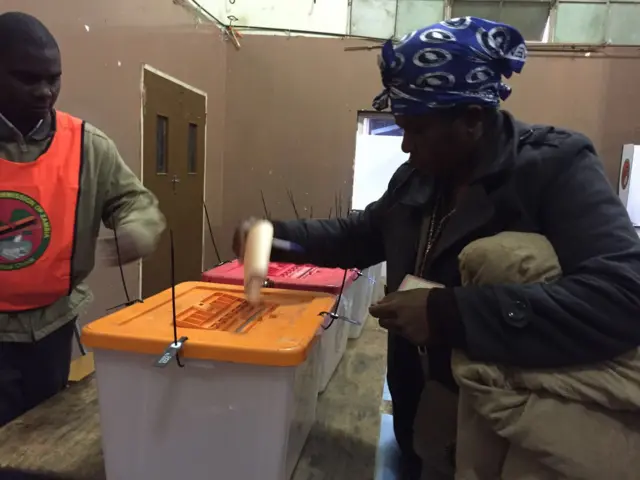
column 458, row 61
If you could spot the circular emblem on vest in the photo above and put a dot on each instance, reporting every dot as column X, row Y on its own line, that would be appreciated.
column 25, row 231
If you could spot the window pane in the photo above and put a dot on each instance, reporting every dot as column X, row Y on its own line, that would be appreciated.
column 192, row 148
column 384, row 126
column 162, row 134
column 464, row 8
column 415, row 14
column 373, row 18
column 378, row 155
column 378, row 124
column 572, row 18
column 527, row 16
column 623, row 21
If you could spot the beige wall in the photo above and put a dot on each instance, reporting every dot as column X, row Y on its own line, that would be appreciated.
column 282, row 111
column 591, row 94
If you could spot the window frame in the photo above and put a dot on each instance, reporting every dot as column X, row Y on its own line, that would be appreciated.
column 364, row 117
column 192, row 148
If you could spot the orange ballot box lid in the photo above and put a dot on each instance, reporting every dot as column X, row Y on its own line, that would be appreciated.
column 219, row 324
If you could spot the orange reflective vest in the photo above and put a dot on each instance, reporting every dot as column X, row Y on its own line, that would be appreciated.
column 38, row 203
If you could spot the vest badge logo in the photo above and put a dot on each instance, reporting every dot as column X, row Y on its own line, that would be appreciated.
column 25, row 231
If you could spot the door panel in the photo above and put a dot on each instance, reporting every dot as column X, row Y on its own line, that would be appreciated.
column 174, row 139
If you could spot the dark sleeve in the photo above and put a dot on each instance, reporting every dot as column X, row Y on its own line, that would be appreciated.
column 353, row 242
column 592, row 313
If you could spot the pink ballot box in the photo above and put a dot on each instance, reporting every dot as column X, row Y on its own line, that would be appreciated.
column 288, row 276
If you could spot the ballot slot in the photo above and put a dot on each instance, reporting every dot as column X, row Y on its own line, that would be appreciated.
column 224, row 312
column 338, row 320
column 304, row 272
column 288, row 270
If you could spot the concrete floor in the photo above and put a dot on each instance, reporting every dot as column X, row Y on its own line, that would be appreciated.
column 354, row 420
column 348, row 414
column 435, row 429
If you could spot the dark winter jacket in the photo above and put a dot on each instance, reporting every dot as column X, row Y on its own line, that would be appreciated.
column 544, row 180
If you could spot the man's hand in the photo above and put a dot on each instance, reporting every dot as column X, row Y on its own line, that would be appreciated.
column 405, row 313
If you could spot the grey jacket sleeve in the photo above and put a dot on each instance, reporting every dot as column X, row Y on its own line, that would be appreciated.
column 127, row 203
column 592, row 313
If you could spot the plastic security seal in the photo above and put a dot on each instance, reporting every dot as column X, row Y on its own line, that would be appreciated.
column 170, row 353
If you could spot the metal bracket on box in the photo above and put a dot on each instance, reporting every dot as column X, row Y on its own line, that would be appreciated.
column 360, row 274
column 171, row 352
column 335, row 316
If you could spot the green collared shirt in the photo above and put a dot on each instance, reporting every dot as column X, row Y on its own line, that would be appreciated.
column 109, row 192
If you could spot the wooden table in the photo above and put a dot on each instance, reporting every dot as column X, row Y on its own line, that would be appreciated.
column 62, row 436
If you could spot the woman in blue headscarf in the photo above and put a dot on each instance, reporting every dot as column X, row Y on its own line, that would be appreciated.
column 474, row 171
column 444, row 85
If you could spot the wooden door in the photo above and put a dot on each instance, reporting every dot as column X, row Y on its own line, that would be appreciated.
column 173, row 163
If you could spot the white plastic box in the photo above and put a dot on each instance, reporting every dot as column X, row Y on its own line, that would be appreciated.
column 242, row 406
column 333, row 342
column 334, row 338
column 381, row 282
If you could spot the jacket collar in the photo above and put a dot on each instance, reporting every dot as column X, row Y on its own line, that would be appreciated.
column 513, row 135
column 476, row 208
column 42, row 131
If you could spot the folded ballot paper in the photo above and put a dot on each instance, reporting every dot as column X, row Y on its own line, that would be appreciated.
column 412, row 282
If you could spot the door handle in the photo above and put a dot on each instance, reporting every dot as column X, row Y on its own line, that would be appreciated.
column 174, row 181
